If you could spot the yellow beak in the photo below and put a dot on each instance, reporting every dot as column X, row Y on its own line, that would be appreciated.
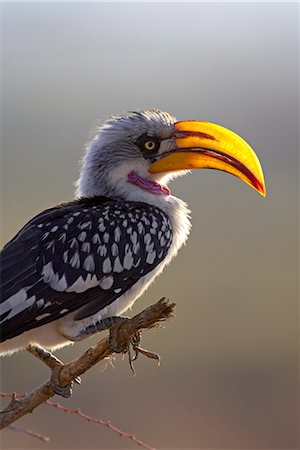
column 210, row 146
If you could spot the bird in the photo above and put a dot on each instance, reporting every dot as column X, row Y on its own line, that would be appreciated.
column 74, row 269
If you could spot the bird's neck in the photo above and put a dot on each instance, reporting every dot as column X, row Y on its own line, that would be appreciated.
column 175, row 208
column 128, row 183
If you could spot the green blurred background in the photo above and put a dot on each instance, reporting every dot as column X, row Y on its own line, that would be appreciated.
column 229, row 371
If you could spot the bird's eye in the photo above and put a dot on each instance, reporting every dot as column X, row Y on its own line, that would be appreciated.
column 150, row 145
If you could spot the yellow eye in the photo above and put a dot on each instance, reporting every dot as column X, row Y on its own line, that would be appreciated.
column 150, row 145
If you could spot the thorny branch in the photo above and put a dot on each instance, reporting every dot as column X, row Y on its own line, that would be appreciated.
column 122, row 336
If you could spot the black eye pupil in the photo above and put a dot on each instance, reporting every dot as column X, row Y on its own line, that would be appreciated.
column 149, row 145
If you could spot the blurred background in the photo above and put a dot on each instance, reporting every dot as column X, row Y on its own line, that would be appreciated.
column 229, row 371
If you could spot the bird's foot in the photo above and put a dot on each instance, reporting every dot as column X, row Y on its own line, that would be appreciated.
column 145, row 352
column 65, row 391
column 121, row 341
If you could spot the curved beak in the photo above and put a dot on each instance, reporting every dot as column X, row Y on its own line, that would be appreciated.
column 206, row 145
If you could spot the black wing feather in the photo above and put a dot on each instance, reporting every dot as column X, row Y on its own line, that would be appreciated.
column 65, row 236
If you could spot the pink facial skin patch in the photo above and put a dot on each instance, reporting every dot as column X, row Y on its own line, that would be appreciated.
column 148, row 185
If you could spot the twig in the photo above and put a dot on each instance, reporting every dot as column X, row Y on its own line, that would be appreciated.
column 123, row 334
column 29, row 432
column 82, row 415
column 106, row 424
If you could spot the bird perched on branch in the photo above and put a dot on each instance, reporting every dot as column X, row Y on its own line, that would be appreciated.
column 73, row 269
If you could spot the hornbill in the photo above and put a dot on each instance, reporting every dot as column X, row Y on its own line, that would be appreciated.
column 74, row 268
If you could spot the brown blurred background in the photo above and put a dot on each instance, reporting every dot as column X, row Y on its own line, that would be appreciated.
column 229, row 371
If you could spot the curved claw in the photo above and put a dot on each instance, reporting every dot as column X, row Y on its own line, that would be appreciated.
column 146, row 353
column 78, row 380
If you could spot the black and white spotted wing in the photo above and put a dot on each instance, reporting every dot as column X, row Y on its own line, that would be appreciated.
column 78, row 256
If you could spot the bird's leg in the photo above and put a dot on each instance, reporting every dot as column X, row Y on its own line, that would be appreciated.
column 121, row 339
column 55, row 365
column 101, row 325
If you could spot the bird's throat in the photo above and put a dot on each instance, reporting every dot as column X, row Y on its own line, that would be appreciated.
column 148, row 185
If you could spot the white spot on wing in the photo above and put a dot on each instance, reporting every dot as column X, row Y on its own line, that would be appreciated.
column 136, row 248
column 65, row 256
column 162, row 241
column 106, row 266
column 50, row 246
column 149, row 247
column 42, row 316
column 137, row 263
column 128, row 260
column 102, row 250
column 75, row 260
column 82, row 236
column 147, row 238
column 60, row 285
column 133, row 237
column 117, row 234
column 81, row 285
column 47, row 272
column 89, row 264
column 141, row 228
column 85, row 225
column 73, row 243
column 106, row 282
column 118, row 268
column 86, row 247
column 62, row 237
column 151, row 257
column 101, row 227
column 40, row 303
column 114, row 249
column 96, row 239
column 117, row 291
